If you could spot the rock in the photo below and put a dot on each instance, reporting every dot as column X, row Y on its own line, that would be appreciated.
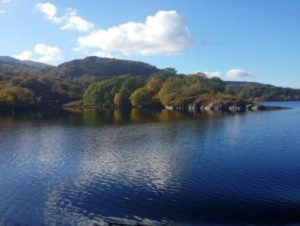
column 249, row 107
column 230, row 106
column 219, row 107
column 258, row 108
column 180, row 108
column 241, row 105
column 172, row 108
column 209, row 107
column 193, row 107
column 234, row 108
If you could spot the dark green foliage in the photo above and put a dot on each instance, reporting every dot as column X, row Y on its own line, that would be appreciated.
column 100, row 81
column 102, row 67
column 39, row 92
column 142, row 97
column 170, row 89
column 14, row 97
column 112, row 91
column 261, row 92
column 217, row 85
column 128, row 87
column 148, row 95
column 182, row 89
column 170, row 93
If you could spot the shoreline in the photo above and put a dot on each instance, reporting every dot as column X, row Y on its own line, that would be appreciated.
column 184, row 109
column 209, row 107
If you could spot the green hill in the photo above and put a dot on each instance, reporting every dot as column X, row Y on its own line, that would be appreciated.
column 113, row 82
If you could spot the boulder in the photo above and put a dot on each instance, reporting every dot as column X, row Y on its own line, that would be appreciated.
column 249, row 107
column 257, row 108
column 172, row 108
column 234, row 108
column 209, row 107
column 220, row 107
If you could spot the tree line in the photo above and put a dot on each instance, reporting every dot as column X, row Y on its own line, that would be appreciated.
column 163, row 88
column 167, row 88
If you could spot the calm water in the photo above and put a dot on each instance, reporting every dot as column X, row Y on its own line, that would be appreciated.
column 152, row 168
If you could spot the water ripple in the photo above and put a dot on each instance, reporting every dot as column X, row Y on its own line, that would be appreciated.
column 229, row 170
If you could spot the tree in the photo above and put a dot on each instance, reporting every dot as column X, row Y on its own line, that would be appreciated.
column 122, row 98
column 170, row 93
column 15, row 97
column 142, row 97
column 112, row 91
column 128, row 87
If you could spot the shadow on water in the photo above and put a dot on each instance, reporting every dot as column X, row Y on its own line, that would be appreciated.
column 120, row 116
column 96, row 117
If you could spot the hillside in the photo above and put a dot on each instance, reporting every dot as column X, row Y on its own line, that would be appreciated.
column 90, row 66
column 6, row 61
column 101, row 67
column 11, row 67
column 261, row 92
column 113, row 82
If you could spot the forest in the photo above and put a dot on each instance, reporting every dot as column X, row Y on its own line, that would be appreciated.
column 139, row 85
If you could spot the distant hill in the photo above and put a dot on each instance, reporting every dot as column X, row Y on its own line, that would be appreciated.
column 90, row 66
column 101, row 67
column 11, row 67
column 242, row 83
column 261, row 92
column 32, row 85
column 10, row 62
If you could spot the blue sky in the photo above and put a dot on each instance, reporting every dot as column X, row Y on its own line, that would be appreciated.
column 253, row 40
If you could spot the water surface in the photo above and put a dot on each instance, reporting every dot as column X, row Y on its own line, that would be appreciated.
column 153, row 168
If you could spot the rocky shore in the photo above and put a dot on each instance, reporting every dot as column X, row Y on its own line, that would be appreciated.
column 226, row 106
column 193, row 106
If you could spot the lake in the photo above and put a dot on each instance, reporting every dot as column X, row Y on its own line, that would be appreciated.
column 151, row 168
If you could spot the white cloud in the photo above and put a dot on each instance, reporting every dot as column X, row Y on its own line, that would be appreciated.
column 41, row 53
column 49, row 10
column 69, row 21
column 47, row 53
column 5, row 1
column 163, row 33
column 102, row 54
column 232, row 74
column 25, row 55
column 214, row 74
column 239, row 73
